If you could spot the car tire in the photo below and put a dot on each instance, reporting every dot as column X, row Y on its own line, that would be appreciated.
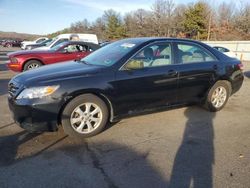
column 32, row 64
column 77, row 120
column 218, row 95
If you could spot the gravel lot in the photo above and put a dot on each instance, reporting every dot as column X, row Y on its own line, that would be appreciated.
column 175, row 148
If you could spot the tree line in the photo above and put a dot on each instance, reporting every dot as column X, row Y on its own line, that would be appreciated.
column 199, row 20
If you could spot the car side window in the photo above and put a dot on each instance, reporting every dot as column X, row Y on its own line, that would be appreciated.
column 40, row 40
column 151, row 56
column 60, row 41
column 191, row 53
column 223, row 50
column 82, row 48
column 76, row 48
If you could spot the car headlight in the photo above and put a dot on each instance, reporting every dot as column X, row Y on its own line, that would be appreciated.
column 37, row 92
column 13, row 60
column 28, row 47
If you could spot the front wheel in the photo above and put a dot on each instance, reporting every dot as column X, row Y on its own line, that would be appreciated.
column 84, row 116
column 218, row 96
column 32, row 64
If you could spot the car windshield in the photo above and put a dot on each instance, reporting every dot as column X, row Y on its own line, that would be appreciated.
column 57, row 47
column 54, row 39
column 110, row 54
column 46, row 42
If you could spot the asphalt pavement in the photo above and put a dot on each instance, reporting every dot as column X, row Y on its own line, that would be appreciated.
column 185, row 147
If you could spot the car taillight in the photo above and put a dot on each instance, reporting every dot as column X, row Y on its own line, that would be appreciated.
column 13, row 60
column 240, row 66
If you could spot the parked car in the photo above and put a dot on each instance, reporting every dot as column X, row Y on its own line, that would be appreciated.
column 91, row 38
column 226, row 51
column 33, row 46
column 37, row 41
column 102, row 44
column 2, row 41
column 125, row 78
column 11, row 43
column 66, row 51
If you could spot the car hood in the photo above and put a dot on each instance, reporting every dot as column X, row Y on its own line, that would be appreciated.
column 55, row 73
column 26, row 52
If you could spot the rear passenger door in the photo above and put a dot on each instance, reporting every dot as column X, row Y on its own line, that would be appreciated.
column 197, row 70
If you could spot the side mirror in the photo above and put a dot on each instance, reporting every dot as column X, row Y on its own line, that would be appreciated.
column 133, row 65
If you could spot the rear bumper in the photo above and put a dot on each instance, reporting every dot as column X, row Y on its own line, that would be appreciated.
column 35, row 115
column 237, row 81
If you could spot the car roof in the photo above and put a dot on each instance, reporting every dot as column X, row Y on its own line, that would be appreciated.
column 145, row 40
column 155, row 39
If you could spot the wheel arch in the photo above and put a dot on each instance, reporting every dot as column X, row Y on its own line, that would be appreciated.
column 26, row 61
column 211, row 85
column 227, row 80
column 99, row 94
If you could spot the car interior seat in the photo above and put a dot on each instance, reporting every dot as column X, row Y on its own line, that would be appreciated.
column 163, row 56
column 148, row 57
column 186, row 57
column 198, row 56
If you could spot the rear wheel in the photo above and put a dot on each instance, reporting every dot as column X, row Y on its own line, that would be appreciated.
column 85, row 116
column 218, row 96
column 32, row 64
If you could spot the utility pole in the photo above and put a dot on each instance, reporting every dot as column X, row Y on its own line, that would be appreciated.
column 209, row 26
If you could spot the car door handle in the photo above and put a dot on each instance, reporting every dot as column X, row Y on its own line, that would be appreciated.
column 215, row 67
column 172, row 73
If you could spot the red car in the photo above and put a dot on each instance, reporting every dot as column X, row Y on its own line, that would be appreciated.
column 66, row 51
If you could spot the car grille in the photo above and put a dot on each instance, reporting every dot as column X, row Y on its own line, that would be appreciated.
column 14, row 88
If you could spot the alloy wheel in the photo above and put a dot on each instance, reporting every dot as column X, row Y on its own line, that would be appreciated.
column 86, row 117
column 219, row 97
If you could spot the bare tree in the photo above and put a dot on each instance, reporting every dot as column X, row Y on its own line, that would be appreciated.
column 200, row 20
column 225, row 14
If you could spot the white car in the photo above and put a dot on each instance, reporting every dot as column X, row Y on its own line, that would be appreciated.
column 226, row 51
column 91, row 38
column 37, row 41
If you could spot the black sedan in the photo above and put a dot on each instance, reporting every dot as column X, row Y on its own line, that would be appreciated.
column 127, row 77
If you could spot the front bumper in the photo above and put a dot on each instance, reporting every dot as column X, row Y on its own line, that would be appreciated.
column 36, row 115
column 14, row 66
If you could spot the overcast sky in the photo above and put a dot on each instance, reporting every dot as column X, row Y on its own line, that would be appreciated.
column 47, row 16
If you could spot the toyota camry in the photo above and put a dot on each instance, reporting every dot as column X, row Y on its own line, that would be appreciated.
column 127, row 77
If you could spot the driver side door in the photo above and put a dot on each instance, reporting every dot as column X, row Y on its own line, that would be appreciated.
column 148, row 80
column 68, row 53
